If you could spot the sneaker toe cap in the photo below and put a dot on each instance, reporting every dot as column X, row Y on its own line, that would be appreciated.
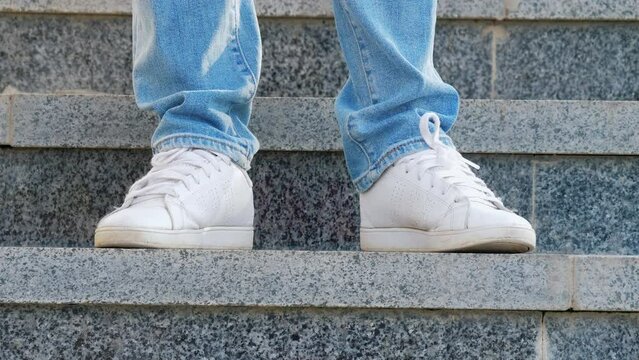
column 486, row 216
column 156, row 218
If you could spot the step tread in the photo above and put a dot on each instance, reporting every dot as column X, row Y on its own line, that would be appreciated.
column 318, row 279
column 454, row 9
column 308, row 124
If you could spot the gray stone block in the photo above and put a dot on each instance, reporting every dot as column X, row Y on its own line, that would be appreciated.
column 92, row 121
column 573, row 10
column 309, row 124
column 67, row 6
column 294, row 8
column 4, row 119
column 113, row 121
column 454, row 9
column 587, row 205
column 567, row 61
column 548, row 127
column 303, row 200
column 293, row 124
column 591, row 336
column 44, row 54
column 606, row 283
column 470, row 9
column 510, row 177
column 56, row 197
column 238, row 333
column 301, row 57
column 462, row 57
column 285, row 279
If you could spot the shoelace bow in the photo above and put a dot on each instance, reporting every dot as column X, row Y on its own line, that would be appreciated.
column 171, row 168
column 450, row 166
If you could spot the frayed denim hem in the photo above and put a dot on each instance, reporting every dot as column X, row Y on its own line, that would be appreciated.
column 392, row 155
column 238, row 154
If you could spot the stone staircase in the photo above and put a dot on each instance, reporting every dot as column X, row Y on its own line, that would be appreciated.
column 553, row 103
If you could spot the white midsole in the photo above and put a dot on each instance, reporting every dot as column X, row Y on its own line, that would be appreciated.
column 490, row 239
column 214, row 238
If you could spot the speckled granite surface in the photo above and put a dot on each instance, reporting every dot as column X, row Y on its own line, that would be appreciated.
column 56, row 197
column 301, row 57
column 574, row 9
column 4, row 119
column 285, row 278
column 67, row 6
column 232, row 333
column 548, row 127
column 582, row 61
column 303, row 200
column 591, row 336
column 587, row 205
column 65, row 52
column 550, row 282
column 309, row 124
column 485, row 9
column 608, row 283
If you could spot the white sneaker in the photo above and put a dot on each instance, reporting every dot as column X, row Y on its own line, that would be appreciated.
column 433, row 202
column 191, row 198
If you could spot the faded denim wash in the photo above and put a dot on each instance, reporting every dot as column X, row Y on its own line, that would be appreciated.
column 197, row 65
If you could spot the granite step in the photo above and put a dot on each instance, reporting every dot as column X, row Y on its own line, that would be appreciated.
column 447, row 9
column 304, row 199
column 283, row 304
column 179, row 332
column 308, row 124
column 335, row 279
column 488, row 49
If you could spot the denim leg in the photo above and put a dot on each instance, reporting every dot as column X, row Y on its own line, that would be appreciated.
column 196, row 64
column 388, row 46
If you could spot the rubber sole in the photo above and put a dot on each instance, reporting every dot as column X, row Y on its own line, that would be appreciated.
column 484, row 240
column 217, row 238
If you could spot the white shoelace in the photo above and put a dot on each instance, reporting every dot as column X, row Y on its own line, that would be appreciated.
column 448, row 165
column 172, row 167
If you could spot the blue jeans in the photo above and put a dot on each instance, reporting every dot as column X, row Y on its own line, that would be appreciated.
column 196, row 63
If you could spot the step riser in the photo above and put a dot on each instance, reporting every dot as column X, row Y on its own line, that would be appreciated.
column 305, row 200
column 302, row 57
column 238, row 333
column 227, row 333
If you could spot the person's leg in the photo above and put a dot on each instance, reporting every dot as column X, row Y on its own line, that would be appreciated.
column 417, row 192
column 388, row 46
column 196, row 64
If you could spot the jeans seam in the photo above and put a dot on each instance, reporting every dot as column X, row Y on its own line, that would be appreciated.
column 236, row 38
column 233, row 145
column 368, row 87
column 359, row 51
